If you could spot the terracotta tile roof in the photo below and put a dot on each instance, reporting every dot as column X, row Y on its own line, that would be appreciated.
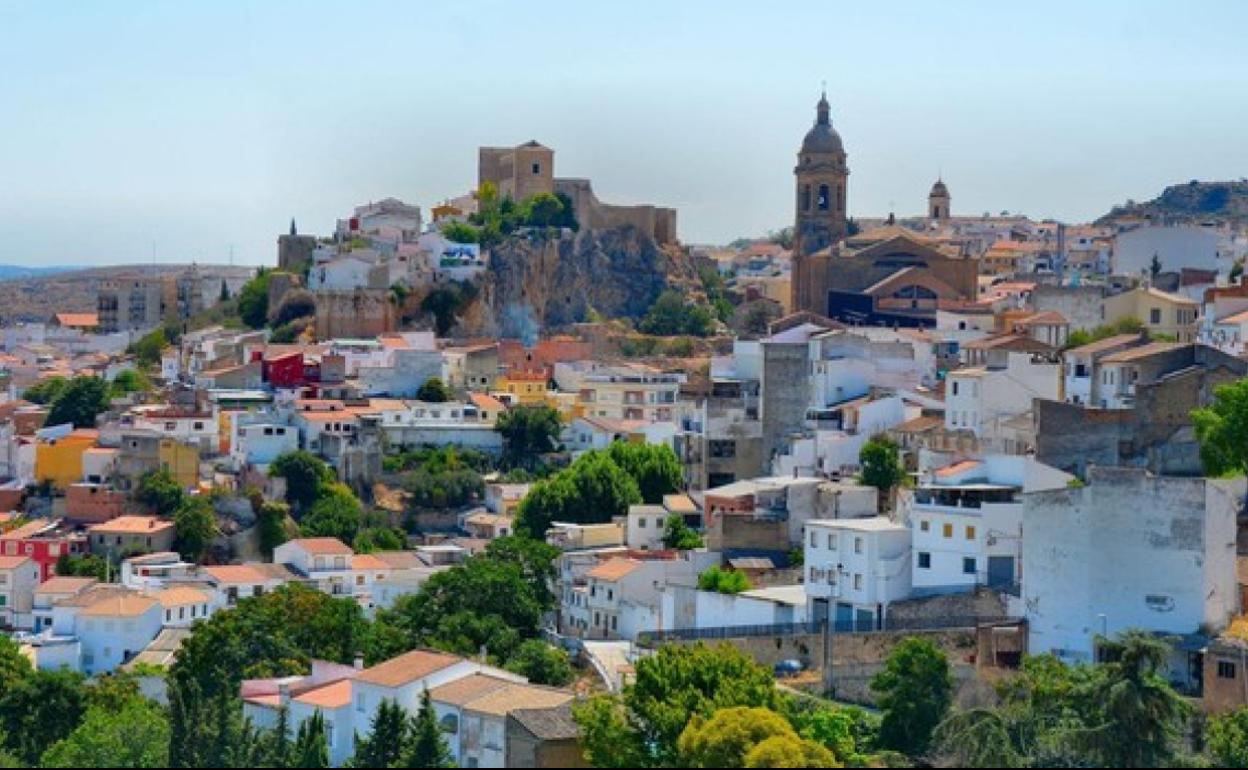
column 323, row 546
column 334, row 695
column 65, row 585
column 369, row 561
column 462, row 691
column 518, row 696
column 125, row 606
column 679, row 504
column 919, row 425
column 613, row 569
column 236, row 573
column 9, row 562
column 1100, row 346
column 78, row 319
column 132, row 525
column 178, row 596
column 406, row 668
column 487, row 402
column 1143, row 351
column 958, row 467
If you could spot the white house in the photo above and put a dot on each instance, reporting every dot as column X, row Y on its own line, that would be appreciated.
column 966, row 521
column 1129, row 550
column 981, row 398
column 261, row 443
column 855, row 568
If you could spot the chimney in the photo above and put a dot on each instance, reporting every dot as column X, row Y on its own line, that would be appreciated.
column 283, row 693
column 358, row 663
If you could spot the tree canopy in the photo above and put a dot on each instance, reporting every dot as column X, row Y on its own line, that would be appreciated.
column 881, row 464
column 434, row 390
column 914, row 691
column 79, row 402
column 1222, row 428
column 673, row 314
column 528, row 433
column 305, row 474
column 253, row 301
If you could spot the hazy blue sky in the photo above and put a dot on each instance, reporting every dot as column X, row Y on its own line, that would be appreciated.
column 202, row 126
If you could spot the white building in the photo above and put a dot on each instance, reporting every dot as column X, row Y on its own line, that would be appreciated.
column 966, row 521
column 1129, row 550
column 621, row 392
column 259, row 444
column 855, row 568
column 981, row 399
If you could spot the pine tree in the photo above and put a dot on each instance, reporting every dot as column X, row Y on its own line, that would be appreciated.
column 187, row 735
column 311, row 749
column 383, row 747
column 277, row 748
column 427, row 746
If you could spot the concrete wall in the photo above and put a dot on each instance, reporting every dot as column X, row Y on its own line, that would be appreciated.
column 359, row 313
column 1130, row 550
column 1083, row 306
column 784, row 394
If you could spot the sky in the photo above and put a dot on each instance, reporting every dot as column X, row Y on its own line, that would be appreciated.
column 181, row 131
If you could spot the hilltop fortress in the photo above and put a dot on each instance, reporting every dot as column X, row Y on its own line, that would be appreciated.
column 529, row 169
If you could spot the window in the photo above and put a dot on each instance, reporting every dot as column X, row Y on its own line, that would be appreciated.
column 925, row 525
column 955, row 387
column 537, row 168
column 1154, row 316
column 1226, row 669
column 968, row 565
column 831, row 541
column 857, row 582
column 970, row 533
column 925, row 560
column 857, row 545
column 813, row 544
column 824, row 195
column 947, row 530
column 641, row 523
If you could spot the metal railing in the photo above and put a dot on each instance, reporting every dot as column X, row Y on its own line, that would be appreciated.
column 841, row 626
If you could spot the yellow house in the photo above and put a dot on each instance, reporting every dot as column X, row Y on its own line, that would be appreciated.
column 60, row 460
column 525, row 388
column 181, row 460
column 1162, row 313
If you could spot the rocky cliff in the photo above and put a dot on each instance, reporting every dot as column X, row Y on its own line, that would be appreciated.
column 545, row 279
column 1194, row 201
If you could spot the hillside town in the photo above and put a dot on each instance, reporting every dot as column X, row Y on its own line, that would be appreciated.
column 436, row 487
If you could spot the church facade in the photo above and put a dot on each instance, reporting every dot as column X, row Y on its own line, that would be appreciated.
column 891, row 275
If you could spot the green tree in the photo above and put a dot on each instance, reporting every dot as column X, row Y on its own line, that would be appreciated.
column 678, row 535
column 1222, row 428
column 134, row 735
column 294, row 305
column 253, row 301
column 388, row 734
column 881, row 464
column 434, row 391
column 129, row 381
column 86, row 565
column 528, row 433
column 82, row 399
column 643, row 726
column 426, row 746
column 305, row 474
column 46, row 390
column 271, row 522
column 148, row 349
column 592, row 490
column 1227, row 738
column 655, row 468
column 732, row 734
column 541, row 663
column 671, row 314
column 542, row 210
column 914, row 691
column 160, row 492
column 976, row 738
column 460, row 232
column 196, row 526
column 724, row 581
column 372, row 539
column 336, row 513
column 14, row 666
column 311, row 748
column 1142, row 715
column 40, row 709
column 849, row 732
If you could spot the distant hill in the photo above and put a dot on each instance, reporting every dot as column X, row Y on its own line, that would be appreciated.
column 1192, row 202
column 44, row 291
column 11, row 272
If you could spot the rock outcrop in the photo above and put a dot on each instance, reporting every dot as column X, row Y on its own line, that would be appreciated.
column 540, row 280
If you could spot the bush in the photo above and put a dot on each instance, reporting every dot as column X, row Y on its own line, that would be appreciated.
column 724, row 581
column 671, row 314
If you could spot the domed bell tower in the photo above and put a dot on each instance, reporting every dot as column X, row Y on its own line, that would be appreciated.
column 822, row 182
column 938, row 202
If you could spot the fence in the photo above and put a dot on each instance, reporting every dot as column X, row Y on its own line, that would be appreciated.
column 840, row 626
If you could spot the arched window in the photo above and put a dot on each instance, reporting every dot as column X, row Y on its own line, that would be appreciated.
column 449, row 723
column 805, row 197
column 823, row 197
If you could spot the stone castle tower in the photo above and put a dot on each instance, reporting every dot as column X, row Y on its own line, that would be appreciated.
column 938, row 202
column 822, row 177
